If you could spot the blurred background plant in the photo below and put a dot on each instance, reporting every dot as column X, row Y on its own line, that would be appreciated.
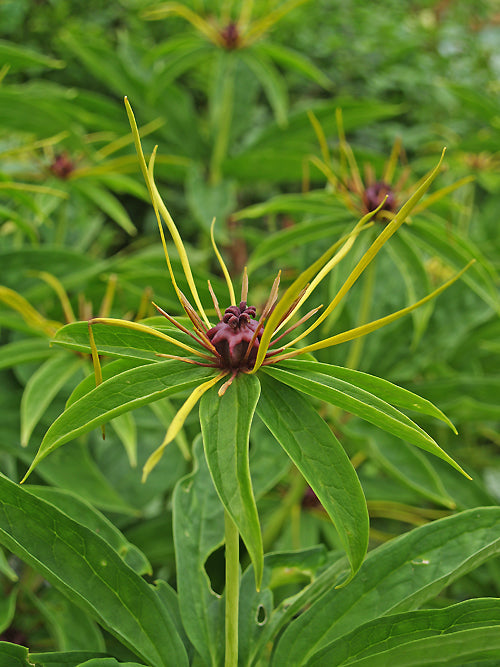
column 241, row 99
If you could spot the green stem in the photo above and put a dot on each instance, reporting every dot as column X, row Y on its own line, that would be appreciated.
column 232, row 590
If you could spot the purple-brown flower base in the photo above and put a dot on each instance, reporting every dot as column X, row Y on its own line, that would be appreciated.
column 236, row 337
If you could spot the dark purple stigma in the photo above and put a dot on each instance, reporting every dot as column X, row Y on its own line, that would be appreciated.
column 374, row 195
column 233, row 334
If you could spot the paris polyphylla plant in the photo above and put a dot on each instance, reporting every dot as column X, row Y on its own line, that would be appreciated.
column 242, row 366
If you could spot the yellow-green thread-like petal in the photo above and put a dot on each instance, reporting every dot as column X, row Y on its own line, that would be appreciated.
column 178, row 422
column 232, row 296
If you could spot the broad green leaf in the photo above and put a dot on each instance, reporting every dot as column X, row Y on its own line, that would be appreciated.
column 107, row 662
column 198, row 531
column 24, row 351
column 456, row 635
column 384, row 389
column 76, row 659
column 257, row 618
column 109, row 370
column 225, row 426
column 399, row 576
column 90, row 573
column 321, row 459
column 117, row 341
column 119, row 394
column 42, row 387
column 351, row 398
column 13, row 655
column 84, row 514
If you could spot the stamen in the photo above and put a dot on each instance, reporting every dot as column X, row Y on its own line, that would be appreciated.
column 214, row 299
column 297, row 324
column 198, row 337
column 227, row 384
column 192, row 314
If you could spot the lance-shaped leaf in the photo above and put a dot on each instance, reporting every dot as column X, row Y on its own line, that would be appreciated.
column 398, row 576
column 90, row 573
column 119, row 394
column 123, row 339
column 457, row 634
column 321, row 459
column 384, row 389
column 225, row 424
column 351, row 398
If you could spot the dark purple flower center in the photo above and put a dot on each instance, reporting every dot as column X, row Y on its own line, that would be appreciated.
column 62, row 166
column 374, row 195
column 232, row 336
column 231, row 36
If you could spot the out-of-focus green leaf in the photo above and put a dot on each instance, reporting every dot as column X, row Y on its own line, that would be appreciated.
column 21, row 57
column 42, row 387
column 106, row 202
column 24, row 351
column 409, row 466
column 294, row 60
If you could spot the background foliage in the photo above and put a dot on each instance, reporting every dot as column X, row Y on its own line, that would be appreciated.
column 240, row 134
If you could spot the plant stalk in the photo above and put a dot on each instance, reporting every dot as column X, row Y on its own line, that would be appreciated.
column 232, row 590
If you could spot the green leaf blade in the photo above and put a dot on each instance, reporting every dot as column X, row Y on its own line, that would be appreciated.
column 455, row 635
column 225, row 423
column 351, row 398
column 90, row 573
column 322, row 460
column 399, row 576
column 128, row 390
